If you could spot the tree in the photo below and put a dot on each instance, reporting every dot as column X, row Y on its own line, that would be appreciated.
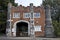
column 55, row 7
column 3, row 13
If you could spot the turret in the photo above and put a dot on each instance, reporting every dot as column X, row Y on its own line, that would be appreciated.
column 48, row 27
column 31, row 20
column 8, row 28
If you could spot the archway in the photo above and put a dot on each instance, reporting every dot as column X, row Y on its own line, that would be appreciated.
column 15, row 27
column 21, row 29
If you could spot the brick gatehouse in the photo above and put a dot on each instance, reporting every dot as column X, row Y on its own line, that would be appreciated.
column 25, row 21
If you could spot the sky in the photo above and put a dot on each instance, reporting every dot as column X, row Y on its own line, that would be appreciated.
column 27, row 2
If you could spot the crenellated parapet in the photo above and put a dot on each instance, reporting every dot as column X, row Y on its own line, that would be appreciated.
column 23, row 8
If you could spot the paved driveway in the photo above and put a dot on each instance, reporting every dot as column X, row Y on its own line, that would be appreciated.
column 27, row 38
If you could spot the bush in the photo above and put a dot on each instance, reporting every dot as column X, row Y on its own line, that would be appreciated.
column 56, row 26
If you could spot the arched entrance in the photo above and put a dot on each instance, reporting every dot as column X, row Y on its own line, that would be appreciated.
column 22, row 29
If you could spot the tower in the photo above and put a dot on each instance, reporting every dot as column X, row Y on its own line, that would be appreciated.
column 8, row 28
column 31, row 20
column 48, row 27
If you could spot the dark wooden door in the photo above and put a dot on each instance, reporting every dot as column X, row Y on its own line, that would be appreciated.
column 22, row 29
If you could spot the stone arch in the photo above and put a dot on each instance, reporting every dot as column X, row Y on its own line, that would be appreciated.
column 14, row 27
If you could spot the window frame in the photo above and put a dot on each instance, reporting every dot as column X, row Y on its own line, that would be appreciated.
column 24, row 15
column 14, row 14
column 38, row 27
column 36, row 16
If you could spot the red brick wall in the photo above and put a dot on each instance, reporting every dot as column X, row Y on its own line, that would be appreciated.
column 22, row 9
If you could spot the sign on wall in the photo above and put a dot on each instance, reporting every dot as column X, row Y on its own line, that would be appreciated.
column 37, row 28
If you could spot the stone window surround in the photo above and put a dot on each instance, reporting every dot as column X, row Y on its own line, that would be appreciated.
column 14, row 14
column 37, row 28
column 24, row 15
column 33, row 15
column 27, row 14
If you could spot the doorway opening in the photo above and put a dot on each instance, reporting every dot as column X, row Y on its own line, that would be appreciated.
column 22, row 29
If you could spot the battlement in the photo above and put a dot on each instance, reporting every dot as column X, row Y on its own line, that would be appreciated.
column 27, row 9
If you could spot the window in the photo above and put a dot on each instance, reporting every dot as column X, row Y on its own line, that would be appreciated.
column 26, row 15
column 16, row 15
column 37, row 28
column 36, row 15
column 32, row 21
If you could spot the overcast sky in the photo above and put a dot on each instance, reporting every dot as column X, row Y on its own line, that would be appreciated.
column 27, row 2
